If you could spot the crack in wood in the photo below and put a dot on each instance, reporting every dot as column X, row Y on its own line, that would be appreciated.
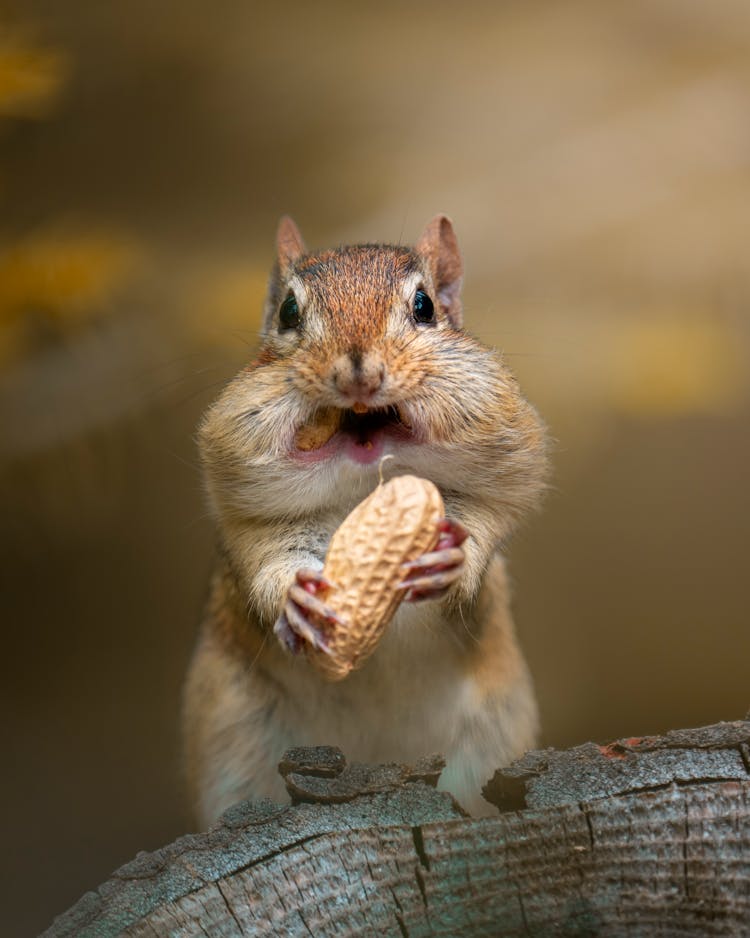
column 589, row 824
column 229, row 907
column 416, row 833
column 686, row 877
column 522, row 907
column 310, row 932
column 290, row 845
column 662, row 786
column 396, row 899
column 674, row 783
column 424, row 861
column 421, row 883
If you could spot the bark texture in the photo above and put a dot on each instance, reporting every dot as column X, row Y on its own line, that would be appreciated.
column 642, row 837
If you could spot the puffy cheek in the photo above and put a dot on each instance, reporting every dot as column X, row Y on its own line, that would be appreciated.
column 444, row 417
column 309, row 376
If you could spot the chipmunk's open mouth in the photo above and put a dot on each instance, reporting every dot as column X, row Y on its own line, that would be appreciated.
column 359, row 433
column 362, row 426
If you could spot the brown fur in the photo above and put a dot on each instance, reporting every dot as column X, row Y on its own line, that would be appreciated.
column 449, row 675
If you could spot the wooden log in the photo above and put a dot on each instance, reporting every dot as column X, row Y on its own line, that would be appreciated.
column 643, row 837
column 549, row 777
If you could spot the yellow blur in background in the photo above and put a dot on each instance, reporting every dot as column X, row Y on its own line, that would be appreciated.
column 595, row 160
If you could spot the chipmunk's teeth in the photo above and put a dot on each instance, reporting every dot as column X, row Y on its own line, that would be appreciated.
column 403, row 418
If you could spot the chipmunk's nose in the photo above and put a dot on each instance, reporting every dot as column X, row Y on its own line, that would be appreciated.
column 358, row 375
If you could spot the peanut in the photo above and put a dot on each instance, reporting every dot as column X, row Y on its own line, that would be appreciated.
column 395, row 524
column 319, row 431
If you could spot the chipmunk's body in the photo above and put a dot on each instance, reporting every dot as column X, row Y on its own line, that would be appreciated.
column 371, row 335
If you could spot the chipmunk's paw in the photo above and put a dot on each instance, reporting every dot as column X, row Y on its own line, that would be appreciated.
column 295, row 627
column 431, row 575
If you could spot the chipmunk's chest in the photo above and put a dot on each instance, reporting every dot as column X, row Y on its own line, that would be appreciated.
column 407, row 700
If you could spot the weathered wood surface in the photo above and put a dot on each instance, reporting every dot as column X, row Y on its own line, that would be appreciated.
column 550, row 777
column 647, row 837
column 320, row 775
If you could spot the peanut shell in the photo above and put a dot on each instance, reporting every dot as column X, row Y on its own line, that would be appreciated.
column 397, row 523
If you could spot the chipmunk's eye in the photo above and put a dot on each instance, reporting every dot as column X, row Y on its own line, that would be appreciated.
column 289, row 313
column 424, row 311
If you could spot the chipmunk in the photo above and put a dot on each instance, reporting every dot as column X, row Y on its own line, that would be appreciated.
column 366, row 341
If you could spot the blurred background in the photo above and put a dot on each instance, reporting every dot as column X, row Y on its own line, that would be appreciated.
column 595, row 159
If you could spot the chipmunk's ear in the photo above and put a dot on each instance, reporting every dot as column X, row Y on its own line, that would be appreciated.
column 439, row 246
column 289, row 244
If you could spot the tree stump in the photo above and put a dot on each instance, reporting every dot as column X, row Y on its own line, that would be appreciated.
column 645, row 836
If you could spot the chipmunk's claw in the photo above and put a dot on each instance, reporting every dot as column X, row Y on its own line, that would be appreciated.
column 294, row 627
column 286, row 635
column 431, row 575
column 304, row 629
column 309, row 603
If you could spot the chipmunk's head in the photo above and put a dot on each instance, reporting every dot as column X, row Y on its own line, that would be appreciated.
column 362, row 329
column 363, row 354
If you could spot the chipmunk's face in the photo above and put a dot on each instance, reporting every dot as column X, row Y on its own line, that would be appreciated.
column 355, row 327
column 362, row 332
